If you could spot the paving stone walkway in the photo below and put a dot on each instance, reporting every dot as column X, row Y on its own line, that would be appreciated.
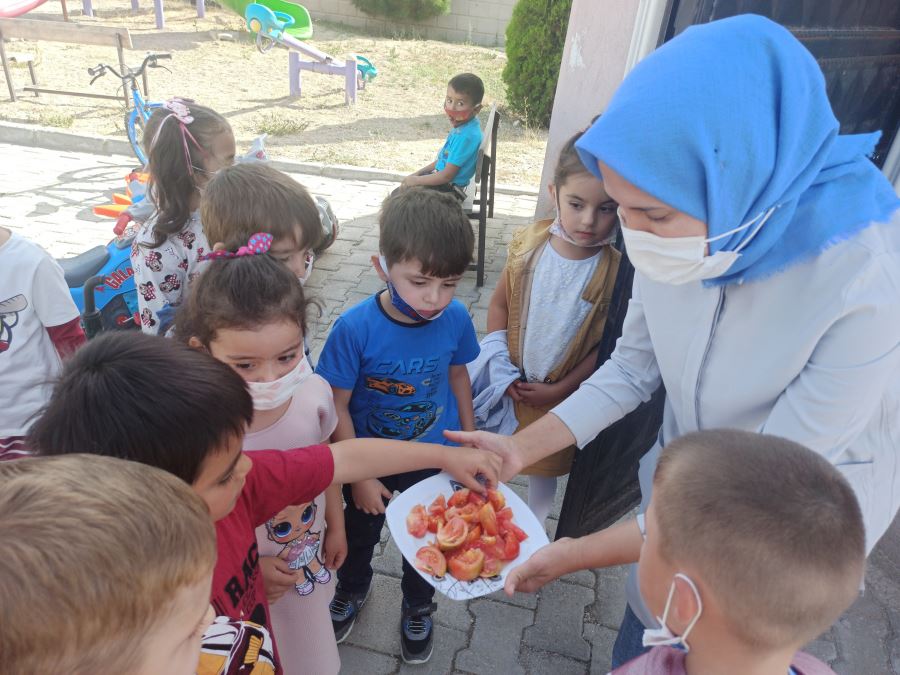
column 567, row 628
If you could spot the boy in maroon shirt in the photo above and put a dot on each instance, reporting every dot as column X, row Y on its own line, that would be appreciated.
column 196, row 429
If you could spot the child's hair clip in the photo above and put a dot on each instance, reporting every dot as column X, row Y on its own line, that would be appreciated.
column 258, row 244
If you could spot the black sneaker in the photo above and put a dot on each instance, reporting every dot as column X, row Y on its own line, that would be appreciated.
column 416, row 631
column 344, row 610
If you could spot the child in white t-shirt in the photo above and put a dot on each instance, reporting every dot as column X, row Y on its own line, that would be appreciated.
column 248, row 310
column 39, row 325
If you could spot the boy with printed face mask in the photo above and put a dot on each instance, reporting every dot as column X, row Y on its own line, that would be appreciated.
column 396, row 363
column 455, row 163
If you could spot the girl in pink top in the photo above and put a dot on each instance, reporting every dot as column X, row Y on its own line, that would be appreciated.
column 249, row 311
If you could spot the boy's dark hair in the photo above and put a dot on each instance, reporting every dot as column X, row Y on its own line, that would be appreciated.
column 171, row 178
column 769, row 527
column 242, row 293
column 569, row 163
column 144, row 398
column 422, row 224
column 247, row 198
column 468, row 84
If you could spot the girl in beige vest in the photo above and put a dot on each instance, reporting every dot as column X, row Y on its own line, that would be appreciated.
column 552, row 299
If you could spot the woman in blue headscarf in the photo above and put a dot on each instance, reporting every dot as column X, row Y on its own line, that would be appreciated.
column 767, row 288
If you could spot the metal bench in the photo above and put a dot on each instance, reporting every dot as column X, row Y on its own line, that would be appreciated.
column 485, row 178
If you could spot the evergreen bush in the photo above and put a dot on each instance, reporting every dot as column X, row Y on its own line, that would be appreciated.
column 535, row 38
column 419, row 10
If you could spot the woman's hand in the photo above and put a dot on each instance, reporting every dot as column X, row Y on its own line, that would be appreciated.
column 538, row 394
column 278, row 577
column 548, row 563
column 369, row 496
column 503, row 446
column 335, row 547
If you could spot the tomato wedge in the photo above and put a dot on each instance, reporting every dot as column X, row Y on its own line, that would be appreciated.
column 417, row 521
column 467, row 565
column 434, row 522
column 468, row 513
column 488, row 519
column 497, row 499
column 510, row 548
column 476, row 499
column 474, row 535
column 430, row 560
column 459, row 498
column 491, row 568
column 517, row 531
column 438, row 506
column 452, row 534
column 505, row 514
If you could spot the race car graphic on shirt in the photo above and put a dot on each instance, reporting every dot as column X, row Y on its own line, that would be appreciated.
column 388, row 385
column 9, row 317
column 405, row 423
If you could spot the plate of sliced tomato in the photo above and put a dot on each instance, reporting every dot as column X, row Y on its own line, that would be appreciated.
column 462, row 542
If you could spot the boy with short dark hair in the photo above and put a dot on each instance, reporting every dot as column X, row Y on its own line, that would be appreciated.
column 753, row 546
column 106, row 568
column 455, row 164
column 396, row 363
column 198, row 410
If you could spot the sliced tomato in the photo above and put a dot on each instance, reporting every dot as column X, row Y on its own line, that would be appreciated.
column 434, row 522
column 497, row 499
column 467, row 565
column 438, row 506
column 492, row 567
column 430, row 560
column 516, row 531
column 474, row 534
column 476, row 499
column 488, row 518
column 505, row 514
column 459, row 498
column 510, row 548
column 493, row 547
column 469, row 513
column 417, row 521
column 452, row 534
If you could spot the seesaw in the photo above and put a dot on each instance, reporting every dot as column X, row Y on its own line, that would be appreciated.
column 288, row 24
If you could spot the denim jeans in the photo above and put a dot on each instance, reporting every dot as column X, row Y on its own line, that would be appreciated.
column 363, row 535
column 630, row 640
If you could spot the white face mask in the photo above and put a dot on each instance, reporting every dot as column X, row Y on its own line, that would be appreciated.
column 680, row 260
column 654, row 637
column 270, row 395
column 557, row 229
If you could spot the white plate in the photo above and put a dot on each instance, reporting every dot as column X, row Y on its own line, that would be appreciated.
column 424, row 493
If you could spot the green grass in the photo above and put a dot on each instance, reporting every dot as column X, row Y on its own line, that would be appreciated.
column 280, row 124
column 54, row 119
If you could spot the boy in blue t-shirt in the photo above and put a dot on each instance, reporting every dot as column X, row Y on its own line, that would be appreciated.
column 396, row 363
column 455, row 163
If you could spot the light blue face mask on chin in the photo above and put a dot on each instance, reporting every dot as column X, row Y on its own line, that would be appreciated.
column 398, row 302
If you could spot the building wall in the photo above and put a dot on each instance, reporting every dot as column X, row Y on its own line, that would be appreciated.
column 481, row 22
column 595, row 60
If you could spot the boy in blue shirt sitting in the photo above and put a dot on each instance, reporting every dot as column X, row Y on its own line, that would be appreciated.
column 455, row 163
column 396, row 363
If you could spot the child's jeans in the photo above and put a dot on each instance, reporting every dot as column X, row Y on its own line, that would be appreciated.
column 364, row 533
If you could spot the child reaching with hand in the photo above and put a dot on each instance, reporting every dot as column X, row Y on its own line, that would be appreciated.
column 249, row 312
column 547, row 314
column 186, row 144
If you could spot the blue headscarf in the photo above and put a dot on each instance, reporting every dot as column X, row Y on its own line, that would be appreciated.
column 730, row 119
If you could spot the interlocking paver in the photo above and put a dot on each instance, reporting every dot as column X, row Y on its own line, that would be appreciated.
column 559, row 619
column 536, row 661
column 494, row 645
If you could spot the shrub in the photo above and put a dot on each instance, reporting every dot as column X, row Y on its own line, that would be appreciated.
column 535, row 38
column 418, row 10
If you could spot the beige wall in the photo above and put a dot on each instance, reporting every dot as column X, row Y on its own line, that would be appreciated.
column 595, row 59
column 481, row 22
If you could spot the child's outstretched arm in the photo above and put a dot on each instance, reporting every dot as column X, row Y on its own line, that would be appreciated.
column 445, row 175
column 360, row 458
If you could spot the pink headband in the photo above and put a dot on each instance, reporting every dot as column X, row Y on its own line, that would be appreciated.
column 258, row 244
column 178, row 110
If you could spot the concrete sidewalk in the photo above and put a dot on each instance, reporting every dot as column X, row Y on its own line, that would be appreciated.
column 570, row 626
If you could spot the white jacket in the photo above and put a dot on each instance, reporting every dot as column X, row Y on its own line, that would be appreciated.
column 811, row 354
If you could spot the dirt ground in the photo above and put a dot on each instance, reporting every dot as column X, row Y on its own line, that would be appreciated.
column 396, row 124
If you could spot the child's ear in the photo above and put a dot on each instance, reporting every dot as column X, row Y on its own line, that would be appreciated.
column 685, row 606
column 194, row 342
column 551, row 189
column 379, row 270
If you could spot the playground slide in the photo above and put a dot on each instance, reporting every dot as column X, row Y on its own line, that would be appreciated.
column 13, row 9
column 302, row 28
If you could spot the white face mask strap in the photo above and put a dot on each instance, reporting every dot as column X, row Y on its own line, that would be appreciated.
column 696, row 618
column 762, row 218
